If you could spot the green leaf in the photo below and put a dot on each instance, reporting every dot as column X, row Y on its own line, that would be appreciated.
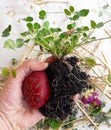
column 74, row 24
column 36, row 26
column 42, row 14
column 93, row 24
column 78, row 13
column 54, row 124
column 63, row 35
column 90, row 62
column 85, row 28
column 9, row 44
column 78, row 29
column 67, row 12
column 5, row 72
column 27, row 40
column 84, row 12
column 25, row 33
column 84, row 34
column 5, row 34
column 74, row 38
column 75, row 17
column 109, row 77
column 46, row 24
column 71, row 8
column 102, row 117
column 28, row 19
column 19, row 42
column 99, row 25
column 7, row 31
column 48, row 39
column 14, row 73
column 96, row 111
column 55, row 30
column 58, row 30
column 30, row 26
column 93, row 38
column 71, row 26
column 43, row 32
column 14, row 61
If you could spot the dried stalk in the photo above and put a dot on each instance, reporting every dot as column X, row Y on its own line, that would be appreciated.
column 40, row 2
column 101, row 87
column 27, row 53
column 91, row 53
column 96, row 47
column 76, row 121
column 107, row 33
column 86, row 115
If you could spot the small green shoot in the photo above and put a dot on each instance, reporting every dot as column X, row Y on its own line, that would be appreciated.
column 7, row 31
column 5, row 72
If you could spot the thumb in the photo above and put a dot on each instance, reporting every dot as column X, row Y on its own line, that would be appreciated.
column 29, row 66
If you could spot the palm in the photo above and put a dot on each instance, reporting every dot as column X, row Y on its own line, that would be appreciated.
column 15, row 104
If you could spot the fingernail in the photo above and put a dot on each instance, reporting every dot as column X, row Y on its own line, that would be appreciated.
column 45, row 64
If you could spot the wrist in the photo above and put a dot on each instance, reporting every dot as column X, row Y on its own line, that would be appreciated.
column 4, row 123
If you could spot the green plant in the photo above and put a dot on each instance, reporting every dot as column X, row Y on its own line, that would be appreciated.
column 54, row 40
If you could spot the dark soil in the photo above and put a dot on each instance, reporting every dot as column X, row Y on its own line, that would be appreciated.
column 66, row 80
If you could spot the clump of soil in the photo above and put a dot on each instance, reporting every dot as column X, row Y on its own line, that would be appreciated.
column 66, row 80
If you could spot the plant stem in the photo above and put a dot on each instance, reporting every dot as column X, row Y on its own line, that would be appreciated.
column 81, row 43
column 107, row 21
column 93, row 41
column 75, row 121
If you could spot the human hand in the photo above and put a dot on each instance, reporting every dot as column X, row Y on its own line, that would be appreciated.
column 12, row 104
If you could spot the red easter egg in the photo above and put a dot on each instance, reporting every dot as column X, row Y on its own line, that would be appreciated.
column 36, row 89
